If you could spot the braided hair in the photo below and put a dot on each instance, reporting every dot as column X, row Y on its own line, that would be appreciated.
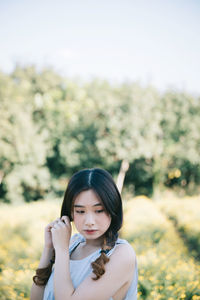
column 102, row 183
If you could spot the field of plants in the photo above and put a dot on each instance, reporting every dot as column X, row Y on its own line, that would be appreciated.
column 165, row 235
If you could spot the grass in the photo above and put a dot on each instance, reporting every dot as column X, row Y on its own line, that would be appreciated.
column 167, row 269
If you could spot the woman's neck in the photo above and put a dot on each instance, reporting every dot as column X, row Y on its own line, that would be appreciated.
column 97, row 243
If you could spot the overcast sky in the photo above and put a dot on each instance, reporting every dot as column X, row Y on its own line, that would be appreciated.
column 151, row 41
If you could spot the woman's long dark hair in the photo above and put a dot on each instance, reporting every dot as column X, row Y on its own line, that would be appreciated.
column 102, row 183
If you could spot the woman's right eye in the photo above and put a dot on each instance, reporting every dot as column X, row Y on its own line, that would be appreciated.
column 80, row 211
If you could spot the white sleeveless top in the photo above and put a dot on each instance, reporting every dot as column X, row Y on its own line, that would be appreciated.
column 80, row 269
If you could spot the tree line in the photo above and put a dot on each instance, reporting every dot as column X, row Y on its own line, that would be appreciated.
column 52, row 126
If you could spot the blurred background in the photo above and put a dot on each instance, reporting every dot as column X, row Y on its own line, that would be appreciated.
column 110, row 84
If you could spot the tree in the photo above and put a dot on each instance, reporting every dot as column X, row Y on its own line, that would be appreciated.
column 22, row 149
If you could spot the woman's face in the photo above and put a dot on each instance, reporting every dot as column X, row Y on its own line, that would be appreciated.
column 89, row 215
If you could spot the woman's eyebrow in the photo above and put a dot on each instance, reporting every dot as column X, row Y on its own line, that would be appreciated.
column 78, row 205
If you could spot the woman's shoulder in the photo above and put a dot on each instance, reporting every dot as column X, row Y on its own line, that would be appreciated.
column 124, row 244
column 124, row 248
column 123, row 252
column 123, row 261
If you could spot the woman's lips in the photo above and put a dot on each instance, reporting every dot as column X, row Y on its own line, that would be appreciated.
column 90, row 231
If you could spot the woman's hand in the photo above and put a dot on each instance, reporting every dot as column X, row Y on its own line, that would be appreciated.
column 61, row 233
column 48, row 243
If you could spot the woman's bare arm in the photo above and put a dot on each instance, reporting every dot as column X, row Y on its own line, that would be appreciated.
column 119, row 270
column 37, row 291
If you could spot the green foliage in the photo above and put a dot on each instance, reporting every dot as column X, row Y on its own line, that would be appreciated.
column 22, row 149
column 21, row 242
column 52, row 126
column 167, row 270
column 186, row 217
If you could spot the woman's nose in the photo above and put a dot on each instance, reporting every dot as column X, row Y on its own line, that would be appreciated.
column 89, row 220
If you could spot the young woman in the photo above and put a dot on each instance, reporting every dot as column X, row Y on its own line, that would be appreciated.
column 94, row 263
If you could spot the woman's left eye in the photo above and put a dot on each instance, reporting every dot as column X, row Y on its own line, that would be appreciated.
column 99, row 211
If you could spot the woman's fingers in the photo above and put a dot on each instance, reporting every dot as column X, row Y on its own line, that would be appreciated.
column 59, row 222
column 55, row 222
column 65, row 219
column 51, row 225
